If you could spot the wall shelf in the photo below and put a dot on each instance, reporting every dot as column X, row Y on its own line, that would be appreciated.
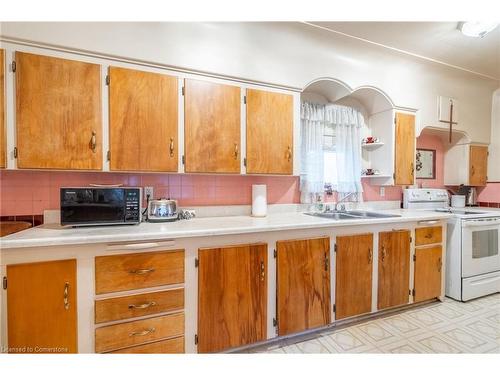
column 371, row 146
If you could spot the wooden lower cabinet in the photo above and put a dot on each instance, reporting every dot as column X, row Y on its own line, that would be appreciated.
column 303, row 284
column 428, row 266
column 393, row 268
column 232, row 296
column 353, row 284
column 41, row 307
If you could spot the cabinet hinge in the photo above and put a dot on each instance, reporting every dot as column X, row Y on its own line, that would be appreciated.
column 412, row 292
column 108, row 155
column 183, row 90
column 394, row 176
column 196, row 262
column 108, row 80
column 196, row 339
column 275, row 322
column 15, row 152
column 411, row 239
column 334, row 308
column 414, row 257
column 275, row 253
column 395, row 120
column 13, row 66
column 335, row 248
column 245, row 99
column 245, row 162
column 4, row 282
column 183, row 160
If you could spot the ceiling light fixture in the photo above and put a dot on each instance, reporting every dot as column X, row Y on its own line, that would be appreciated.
column 476, row 29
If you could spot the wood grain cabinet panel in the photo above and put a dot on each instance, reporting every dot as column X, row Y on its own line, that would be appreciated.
column 269, row 133
column 428, row 266
column 114, row 273
column 212, row 127
column 232, row 297
column 404, row 167
column 354, row 264
column 303, row 278
column 478, row 165
column 143, row 119
column 124, row 335
column 393, row 268
column 138, row 305
column 58, row 113
column 170, row 346
column 3, row 134
column 428, row 235
column 42, row 307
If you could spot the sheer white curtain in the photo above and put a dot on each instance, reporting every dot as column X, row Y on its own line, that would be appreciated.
column 348, row 124
column 312, row 182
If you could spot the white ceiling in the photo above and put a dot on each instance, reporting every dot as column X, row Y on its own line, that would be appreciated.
column 440, row 41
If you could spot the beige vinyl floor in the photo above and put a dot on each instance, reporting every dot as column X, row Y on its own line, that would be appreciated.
column 446, row 327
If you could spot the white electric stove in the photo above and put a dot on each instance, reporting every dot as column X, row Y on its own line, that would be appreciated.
column 473, row 244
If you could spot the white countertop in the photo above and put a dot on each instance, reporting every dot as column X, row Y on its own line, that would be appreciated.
column 53, row 235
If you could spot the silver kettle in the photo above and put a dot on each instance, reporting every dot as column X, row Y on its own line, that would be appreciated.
column 161, row 210
column 471, row 199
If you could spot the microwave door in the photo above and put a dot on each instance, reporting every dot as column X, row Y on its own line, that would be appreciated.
column 480, row 249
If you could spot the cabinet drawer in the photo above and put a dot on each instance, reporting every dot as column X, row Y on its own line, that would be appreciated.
column 428, row 235
column 171, row 346
column 123, row 335
column 138, row 305
column 114, row 273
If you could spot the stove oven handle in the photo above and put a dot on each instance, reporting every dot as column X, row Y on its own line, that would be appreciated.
column 481, row 222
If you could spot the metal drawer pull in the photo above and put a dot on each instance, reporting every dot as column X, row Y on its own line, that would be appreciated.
column 142, row 306
column 142, row 333
column 440, row 265
column 262, row 271
column 142, row 271
column 289, row 153
column 93, row 141
column 384, row 253
column 370, row 256
column 138, row 245
column 428, row 236
column 66, row 296
column 236, row 151
column 428, row 222
column 171, row 147
column 327, row 261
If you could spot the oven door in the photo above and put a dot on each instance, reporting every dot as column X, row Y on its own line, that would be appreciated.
column 480, row 246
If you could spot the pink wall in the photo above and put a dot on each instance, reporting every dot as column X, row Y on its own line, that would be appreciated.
column 490, row 193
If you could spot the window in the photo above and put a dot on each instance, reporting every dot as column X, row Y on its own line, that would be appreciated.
column 329, row 157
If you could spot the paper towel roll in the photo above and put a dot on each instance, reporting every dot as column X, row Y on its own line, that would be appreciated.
column 259, row 200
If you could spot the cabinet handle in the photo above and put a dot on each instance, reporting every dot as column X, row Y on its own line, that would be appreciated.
column 428, row 236
column 412, row 170
column 93, row 141
column 289, row 153
column 440, row 265
column 142, row 271
column 262, row 271
column 370, row 256
column 384, row 253
column 171, row 147
column 142, row 306
column 66, row 296
column 142, row 333
column 236, row 151
column 472, row 170
column 327, row 261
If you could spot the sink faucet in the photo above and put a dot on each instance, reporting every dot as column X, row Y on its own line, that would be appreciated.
column 342, row 200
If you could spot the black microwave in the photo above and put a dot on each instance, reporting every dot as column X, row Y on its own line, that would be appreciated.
column 85, row 206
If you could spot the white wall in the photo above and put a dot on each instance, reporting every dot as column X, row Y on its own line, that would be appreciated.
column 290, row 54
column 494, row 149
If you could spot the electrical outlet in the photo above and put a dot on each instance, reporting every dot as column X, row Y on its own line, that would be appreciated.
column 148, row 190
column 382, row 191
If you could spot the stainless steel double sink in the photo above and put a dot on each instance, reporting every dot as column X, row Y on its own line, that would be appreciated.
column 350, row 215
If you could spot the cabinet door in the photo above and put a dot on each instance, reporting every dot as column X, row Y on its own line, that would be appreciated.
column 354, row 264
column 41, row 306
column 428, row 265
column 143, row 110
column 269, row 132
column 393, row 268
column 212, row 127
column 232, row 297
column 3, row 145
column 58, row 113
column 478, row 165
column 404, row 149
column 303, row 274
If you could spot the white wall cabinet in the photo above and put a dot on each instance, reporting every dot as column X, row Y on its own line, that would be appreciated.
column 466, row 164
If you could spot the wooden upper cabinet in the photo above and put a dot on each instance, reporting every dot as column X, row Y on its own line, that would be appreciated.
column 58, row 113
column 393, row 268
column 353, row 291
column 303, row 284
column 3, row 134
column 428, row 266
column 143, row 117
column 404, row 162
column 232, row 296
column 41, row 306
column 269, row 133
column 212, row 122
column 478, row 165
